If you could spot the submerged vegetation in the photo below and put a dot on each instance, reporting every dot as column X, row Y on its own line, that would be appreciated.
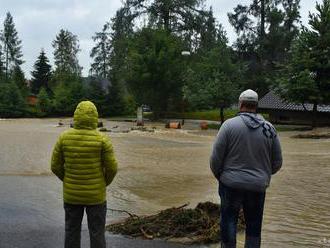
column 181, row 224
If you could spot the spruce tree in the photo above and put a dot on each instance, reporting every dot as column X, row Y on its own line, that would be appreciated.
column 41, row 75
column 12, row 45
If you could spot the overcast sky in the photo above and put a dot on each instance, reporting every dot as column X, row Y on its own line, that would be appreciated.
column 38, row 22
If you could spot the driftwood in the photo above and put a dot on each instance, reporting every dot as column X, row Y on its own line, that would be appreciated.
column 178, row 224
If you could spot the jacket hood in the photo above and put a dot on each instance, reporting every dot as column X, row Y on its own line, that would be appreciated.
column 252, row 120
column 85, row 116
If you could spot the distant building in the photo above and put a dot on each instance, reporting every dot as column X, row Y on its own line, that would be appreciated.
column 283, row 112
column 32, row 100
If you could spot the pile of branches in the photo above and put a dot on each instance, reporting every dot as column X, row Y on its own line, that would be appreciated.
column 181, row 224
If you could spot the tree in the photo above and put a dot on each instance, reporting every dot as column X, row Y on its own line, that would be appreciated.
column 18, row 78
column 2, row 69
column 96, row 94
column 171, row 15
column 12, row 45
column 101, row 53
column 155, row 69
column 115, row 101
column 306, row 76
column 66, row 48
column 265, row 31
column 41, row 75
column 67, row 96
column 122, row 32
column 12, row 103
column 213, row 81
column 44, row 103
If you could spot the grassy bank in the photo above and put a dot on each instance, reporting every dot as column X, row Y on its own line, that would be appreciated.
column 210, row 115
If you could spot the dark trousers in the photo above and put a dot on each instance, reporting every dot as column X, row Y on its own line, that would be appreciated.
column 96, row 215
column 232, row 200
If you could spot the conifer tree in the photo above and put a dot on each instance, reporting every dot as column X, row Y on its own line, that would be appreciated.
column 66, row 49
column 42, row 74
column 101, row 53
column 11, row 45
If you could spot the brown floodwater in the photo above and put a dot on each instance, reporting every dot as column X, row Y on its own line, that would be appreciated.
column 171, row 167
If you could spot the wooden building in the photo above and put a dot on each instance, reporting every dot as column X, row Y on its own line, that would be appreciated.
column 283, row 112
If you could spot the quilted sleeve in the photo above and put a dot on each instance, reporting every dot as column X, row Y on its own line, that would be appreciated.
column 108, row 160
column 57, row 161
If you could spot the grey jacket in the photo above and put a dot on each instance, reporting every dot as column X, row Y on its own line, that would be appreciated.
column 246, row 153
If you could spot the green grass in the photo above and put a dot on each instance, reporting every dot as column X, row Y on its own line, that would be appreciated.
column 209, row 115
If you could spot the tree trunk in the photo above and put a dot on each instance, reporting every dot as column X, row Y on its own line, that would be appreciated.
column 262, row 21
column 314, row 118
column 222, row 115
column 7, row 60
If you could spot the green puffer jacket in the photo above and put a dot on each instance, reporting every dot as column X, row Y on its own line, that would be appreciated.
column 83, row 159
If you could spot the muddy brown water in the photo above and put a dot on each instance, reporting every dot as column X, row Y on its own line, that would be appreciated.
column 170, row 167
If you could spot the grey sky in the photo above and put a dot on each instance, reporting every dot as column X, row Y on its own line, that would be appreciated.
column 38, row 22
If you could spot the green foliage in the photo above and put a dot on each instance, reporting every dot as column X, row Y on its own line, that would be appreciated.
column 155, row 68
column 18, row 78
column 213, row 81
column 306, row 76
column 67, row 96
column 115, row 100
column 41, row 75
column 66, row 48
column 44, row 103
column 12, row 104
column 265, row 31
column 101, row 53
column 97, row 95
column 11, row 45
column 173, row 16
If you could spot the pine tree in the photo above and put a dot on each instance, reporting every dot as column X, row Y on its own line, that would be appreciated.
column 42, row 74
column 101, row 53
column 12, row 45
column 66, row 48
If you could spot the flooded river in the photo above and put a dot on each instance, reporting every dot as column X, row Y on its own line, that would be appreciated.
column 170, row 168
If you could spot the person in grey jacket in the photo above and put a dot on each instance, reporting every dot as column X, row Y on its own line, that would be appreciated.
column 245, row 155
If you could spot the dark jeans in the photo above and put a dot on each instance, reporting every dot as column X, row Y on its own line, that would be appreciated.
column 232, row 200
column 96, row 215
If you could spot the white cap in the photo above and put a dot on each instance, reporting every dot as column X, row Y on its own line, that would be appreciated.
column 248, row 96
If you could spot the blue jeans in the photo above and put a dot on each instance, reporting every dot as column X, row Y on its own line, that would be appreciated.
column 232, row 200
column 96, row 215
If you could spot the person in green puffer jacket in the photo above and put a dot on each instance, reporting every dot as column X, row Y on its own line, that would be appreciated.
column 83, row 159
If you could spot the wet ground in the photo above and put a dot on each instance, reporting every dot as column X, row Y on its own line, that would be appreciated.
column 156, row 171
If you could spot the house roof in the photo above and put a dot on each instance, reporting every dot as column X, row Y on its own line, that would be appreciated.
column 271, row 101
